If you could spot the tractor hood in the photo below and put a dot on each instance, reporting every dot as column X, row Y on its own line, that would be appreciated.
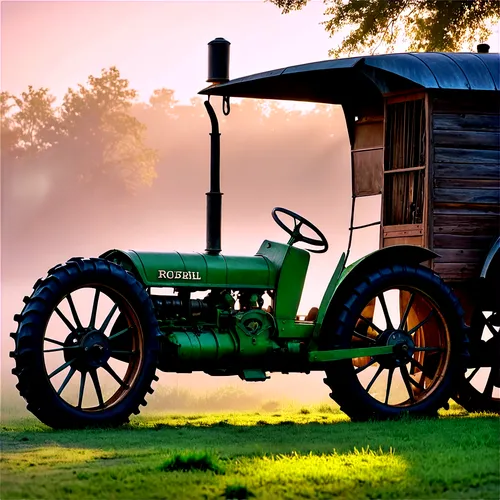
column 197, row 270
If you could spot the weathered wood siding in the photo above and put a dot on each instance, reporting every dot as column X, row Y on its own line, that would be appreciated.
column 465, row 203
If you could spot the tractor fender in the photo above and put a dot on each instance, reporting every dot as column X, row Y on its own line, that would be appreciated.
column 493, row 254
column 396, row 254
column 129, row 260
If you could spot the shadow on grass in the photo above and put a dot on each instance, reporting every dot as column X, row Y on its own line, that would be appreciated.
column 450, row 457
column 245, row 434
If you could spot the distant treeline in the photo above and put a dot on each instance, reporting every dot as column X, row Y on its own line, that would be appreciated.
column 101, row 133
column 98, row 159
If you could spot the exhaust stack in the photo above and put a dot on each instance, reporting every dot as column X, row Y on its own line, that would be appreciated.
column 218, row 72
column 218, row 61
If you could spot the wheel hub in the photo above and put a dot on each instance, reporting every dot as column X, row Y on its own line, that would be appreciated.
column 89, row 349
column 404, row 347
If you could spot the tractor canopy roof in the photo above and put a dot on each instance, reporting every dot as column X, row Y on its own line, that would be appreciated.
column 342, row 81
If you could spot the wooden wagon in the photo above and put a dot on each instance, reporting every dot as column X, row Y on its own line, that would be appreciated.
column 424, row 130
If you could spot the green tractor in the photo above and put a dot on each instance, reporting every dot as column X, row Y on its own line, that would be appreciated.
column 389, row 332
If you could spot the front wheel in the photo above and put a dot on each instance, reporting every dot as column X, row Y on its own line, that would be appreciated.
column 410, row 308
column 86, row 345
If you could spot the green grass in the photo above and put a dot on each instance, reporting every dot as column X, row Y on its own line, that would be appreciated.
column 313, row 454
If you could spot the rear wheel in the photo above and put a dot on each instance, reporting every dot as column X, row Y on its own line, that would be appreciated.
column 479, row 388
column 86, row 346
column 410, row 308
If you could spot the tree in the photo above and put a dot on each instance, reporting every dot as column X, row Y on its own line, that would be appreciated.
column 9, row 133
column 100, row 133
column 428, row 25
column 29, row 122
column 163, row 100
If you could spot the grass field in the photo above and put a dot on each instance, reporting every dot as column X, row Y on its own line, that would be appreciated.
column 309, row 452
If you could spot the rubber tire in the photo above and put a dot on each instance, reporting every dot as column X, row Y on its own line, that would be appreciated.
column 467, row 395
column 34, row 384
column 346, row 389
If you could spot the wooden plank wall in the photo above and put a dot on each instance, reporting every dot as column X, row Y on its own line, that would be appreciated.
column 465, row 147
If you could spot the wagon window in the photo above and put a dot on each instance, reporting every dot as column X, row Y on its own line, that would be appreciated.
column 404, row 166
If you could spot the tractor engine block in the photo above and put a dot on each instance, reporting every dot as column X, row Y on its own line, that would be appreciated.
column 235, row 337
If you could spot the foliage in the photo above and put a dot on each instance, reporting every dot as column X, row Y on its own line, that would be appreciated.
column 29, row 122
column 10, row 134
column 429, row 25
column 319, row 457
column 35, row 119
column 91, row 138
column 163, row 100
column 97, row 125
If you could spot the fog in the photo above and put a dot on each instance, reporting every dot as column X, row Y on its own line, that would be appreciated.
column 298, row 161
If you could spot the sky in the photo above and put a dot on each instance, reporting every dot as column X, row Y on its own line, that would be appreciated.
column 154, row 44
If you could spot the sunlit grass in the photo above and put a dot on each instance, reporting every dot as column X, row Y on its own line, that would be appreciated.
column 309, row 452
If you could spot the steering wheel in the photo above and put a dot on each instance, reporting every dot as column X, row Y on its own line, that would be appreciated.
column 295, row 233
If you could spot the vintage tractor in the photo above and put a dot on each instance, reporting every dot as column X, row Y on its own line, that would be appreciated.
column 389, row 333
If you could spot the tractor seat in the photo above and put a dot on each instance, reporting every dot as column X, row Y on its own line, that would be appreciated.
column 310, row 316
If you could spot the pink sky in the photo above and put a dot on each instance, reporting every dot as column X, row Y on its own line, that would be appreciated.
column 154, row 44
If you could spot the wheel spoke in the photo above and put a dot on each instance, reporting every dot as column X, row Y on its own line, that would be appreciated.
column 370, row 323
column 388, row 321
column 121, row 332
column 428, row 349
column 64, row 319
column 61, row 368
column 62, row 348
column 491, row 328
column 108, row 318
column 415, row 383
column 389, row 382
column 364, row 367
column 406, row 377
column 363, row 337
column 415, row 363
column 94, row 309
column 115, row 376
column 422, row 323
column 473, row 374
column 97, row 385
column 130, row 353
column 57, row 342
column 73, row 312
column 66, row 380
column 372, row 381
column 407, row 311
column 82, row 388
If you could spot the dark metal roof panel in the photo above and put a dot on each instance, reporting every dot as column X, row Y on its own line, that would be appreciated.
column 256, row 76
column 405, row 65
column 492, row 62
column 349, row 62
column 429, row 70
column 474, row 70
column 446, row 71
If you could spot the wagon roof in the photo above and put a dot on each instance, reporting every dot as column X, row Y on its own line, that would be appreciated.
column 335, row 81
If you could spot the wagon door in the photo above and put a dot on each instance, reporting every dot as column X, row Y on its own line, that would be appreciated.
column 404, row 202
